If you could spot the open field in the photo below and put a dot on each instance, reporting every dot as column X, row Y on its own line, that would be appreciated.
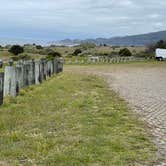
column 142, row 85
column 72, row 119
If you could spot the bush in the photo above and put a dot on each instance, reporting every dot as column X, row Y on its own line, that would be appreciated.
column 22, row 56
column 45, row 51
column 16, row 49
column 25, row 57
column 15, row 58
column 76, row 52
column 113, row 54
column 39, row 47
column 52, row 55
column 125, row 52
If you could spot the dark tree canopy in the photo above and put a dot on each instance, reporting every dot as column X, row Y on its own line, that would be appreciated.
column 77, row 51
column 16, row 49
column 39, row 47
column 53, row 54
column 125, row 52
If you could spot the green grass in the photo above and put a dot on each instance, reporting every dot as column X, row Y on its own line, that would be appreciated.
column 72, row 120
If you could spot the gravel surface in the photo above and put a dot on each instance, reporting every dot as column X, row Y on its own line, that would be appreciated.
column 144, row 88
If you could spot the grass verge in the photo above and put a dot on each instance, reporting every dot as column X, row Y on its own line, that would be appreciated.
column 71, row 119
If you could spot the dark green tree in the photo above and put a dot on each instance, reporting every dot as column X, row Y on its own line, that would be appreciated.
column 76, row 52
column 53, row 54
column 125, row 52
column 39, row 47
column 16, row 49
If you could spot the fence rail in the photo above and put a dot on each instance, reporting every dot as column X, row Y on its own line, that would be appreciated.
column 26, row 73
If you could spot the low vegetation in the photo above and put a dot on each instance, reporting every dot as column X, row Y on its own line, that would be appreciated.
column 16, row 49
column 83, row 50
column 71, row 119
column 52, row 55
column 125, row 52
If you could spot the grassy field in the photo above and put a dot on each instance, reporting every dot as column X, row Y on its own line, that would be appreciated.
column 71, row 119
column 97, row 50
column 4, row 54
column 66, row 52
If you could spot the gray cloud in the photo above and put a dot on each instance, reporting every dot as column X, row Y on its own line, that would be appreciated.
column 54, row 19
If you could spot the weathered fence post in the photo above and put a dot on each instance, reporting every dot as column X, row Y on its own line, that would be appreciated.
column 1, row 87
column 55, row 66
column 19, row 77
column 37, row 73
column 11, row 62
column 31, row 75
column 10, row 85
column 1, row 63
column 52, row 67
column 44, row 69
column 60, row 66
column 49, row 70
column 26, row 79
column 26, row 73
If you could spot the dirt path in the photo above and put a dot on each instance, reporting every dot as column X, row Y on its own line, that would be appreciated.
column 144, row 88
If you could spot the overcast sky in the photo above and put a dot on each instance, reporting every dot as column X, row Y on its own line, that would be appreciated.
column 59, row 19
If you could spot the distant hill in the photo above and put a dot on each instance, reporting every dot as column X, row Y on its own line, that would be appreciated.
column 136, row 40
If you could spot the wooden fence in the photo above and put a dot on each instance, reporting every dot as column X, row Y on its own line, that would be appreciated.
column 26, row 73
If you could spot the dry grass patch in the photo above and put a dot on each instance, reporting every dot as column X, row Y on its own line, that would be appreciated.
column 72, row 119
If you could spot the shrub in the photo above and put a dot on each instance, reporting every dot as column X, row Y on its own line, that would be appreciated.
column 39, row 47
column 125, row 52
column 45, row 51
column 76, row 52
column 22, row 56
column 15, row 58
column 16, row 49
column 113, row 54
column 25, row 57
column 52, row 55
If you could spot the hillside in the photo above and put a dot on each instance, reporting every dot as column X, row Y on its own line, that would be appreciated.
column 137, row 40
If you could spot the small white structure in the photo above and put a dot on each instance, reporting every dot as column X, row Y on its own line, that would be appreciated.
column 160, row 54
